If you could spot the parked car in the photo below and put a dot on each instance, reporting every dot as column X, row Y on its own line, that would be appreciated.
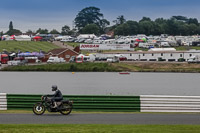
column 122, row 58
column 17, row 61
column 55, row 60
column 72, row 59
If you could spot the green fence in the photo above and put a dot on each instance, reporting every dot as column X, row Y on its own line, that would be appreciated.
column 81, row 102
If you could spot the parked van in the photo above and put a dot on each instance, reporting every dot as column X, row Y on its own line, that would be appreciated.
column 194, row 59
column 82, row 58
column 55, row 60
column 113, row 59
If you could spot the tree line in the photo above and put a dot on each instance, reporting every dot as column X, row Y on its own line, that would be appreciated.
column 91, row 21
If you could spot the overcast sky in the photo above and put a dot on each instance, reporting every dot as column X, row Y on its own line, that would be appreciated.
column 53, row 14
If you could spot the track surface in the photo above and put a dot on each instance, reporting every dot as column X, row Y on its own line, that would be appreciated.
column 75, row 118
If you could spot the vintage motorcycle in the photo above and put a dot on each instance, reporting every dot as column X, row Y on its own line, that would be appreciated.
column 64, row 106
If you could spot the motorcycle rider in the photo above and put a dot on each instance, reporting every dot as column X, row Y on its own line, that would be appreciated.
column 56, row 97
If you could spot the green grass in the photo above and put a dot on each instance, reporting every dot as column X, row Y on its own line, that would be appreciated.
column 157, row 67
column 97, row 128
column 180, row 48
column 70, row 67
column 24, row 46
column 143, row 49
column 73, row 44
column 185, row 48
column 111, row 67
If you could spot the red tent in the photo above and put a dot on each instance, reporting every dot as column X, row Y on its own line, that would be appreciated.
column 12, row 37
column 37, row 38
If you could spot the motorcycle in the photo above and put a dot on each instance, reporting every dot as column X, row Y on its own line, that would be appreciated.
column 64, row 106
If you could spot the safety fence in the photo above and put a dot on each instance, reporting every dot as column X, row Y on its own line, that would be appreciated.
column 84, row 102
column 3, row 101
column 161, row 103
column 142, row 103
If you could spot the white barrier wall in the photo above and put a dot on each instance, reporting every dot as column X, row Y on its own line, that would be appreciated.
column 3, row 101
column 162, row 103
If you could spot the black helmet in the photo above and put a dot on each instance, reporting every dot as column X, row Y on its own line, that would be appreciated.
column 54, row 87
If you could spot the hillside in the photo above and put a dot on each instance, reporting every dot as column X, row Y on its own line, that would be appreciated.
column 26, row 46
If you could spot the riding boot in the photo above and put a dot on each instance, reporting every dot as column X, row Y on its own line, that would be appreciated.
column 55, row 105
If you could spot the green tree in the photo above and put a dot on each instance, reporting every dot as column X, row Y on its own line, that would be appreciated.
column 146, row 27
column 162, row 26
column 193, row 21
column 180, row 18
column 29, row 32
column 133, row 27
column 10, row 26
column 88, row 15
column 90, row 29
column 14, row 32
column 145, row 19
column 128, row 28
column 103, row 25
column 65, row 30
column 42, row 31
column 192, row 29
column 176, row 25
column 54, row 31
column 120, row 20
column 122, row 29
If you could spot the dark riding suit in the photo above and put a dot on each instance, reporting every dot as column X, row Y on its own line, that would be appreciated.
column 57, row 96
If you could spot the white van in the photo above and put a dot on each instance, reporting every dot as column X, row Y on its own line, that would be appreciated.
column 55, row 60
column 113, row 59
column 82, row 58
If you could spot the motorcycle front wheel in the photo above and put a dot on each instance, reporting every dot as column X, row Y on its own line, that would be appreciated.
column 66, row 109
column 38, row 109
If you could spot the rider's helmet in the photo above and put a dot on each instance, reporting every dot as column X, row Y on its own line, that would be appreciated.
column 54, row 87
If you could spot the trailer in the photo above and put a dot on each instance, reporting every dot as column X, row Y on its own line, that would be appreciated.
column 4, row 58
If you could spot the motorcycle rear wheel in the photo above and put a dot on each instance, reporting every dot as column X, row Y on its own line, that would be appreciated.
column 39, row 109
column 67, row 109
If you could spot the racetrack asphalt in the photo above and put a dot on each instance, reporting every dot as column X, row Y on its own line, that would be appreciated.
column 107, row 118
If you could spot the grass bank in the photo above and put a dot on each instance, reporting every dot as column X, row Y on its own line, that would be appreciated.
column 24, row 46
column 73, row 44
column 100, row 128
column 70, row 67
column 157, row 67
column 111, row 67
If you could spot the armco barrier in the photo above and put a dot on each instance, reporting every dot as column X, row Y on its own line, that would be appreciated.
column 3, row 101
column 85, row 103
column 160, row 103
column 143, row 103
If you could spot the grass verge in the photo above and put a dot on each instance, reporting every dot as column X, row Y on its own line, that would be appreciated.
column 100, row 128
column 157, row 67
column 111, row 67
column 71, row 67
